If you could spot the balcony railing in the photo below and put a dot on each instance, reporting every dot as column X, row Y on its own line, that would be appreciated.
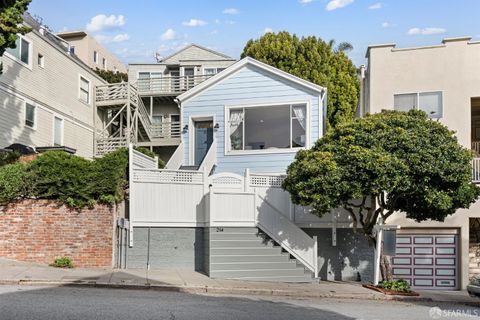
column 166, row 130
column 476, row 147
column 169, row 85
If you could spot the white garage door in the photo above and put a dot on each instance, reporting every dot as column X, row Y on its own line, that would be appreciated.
column 427, row 261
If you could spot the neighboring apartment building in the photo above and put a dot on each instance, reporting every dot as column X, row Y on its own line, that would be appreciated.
column 91, row 52
column 442, row 80
column 157, row 84
column 46, row 94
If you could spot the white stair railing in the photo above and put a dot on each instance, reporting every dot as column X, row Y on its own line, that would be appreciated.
column 210, row 159
column 288, row 235
column 176, row 160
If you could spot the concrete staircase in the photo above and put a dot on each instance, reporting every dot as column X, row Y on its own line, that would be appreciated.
column 248, row 254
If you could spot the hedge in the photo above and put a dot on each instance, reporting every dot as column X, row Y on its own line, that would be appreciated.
column 68, row 179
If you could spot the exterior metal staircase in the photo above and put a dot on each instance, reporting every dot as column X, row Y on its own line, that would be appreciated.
column 249, row 254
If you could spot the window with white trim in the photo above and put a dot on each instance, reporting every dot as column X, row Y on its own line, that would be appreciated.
column 57, row 131
column 429, row 102
column 41, row 60
column 84, row 90
column 104, row 63
column 267, row 127
column 212, row 71
column 22, row 50
column 95, row 56
column 30, row 115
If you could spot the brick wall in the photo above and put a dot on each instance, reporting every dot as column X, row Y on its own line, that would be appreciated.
column 40, row 231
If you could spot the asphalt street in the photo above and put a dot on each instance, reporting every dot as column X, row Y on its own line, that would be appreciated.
column 70, row 303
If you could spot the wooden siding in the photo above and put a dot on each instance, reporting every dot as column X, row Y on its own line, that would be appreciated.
column 56, row 89
column 249, row 86
column 194, row 53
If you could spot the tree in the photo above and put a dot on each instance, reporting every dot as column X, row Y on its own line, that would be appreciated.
column 110, row 76
column 11, row 18
column 342, row 46
column 314, row 60
column 381, row 164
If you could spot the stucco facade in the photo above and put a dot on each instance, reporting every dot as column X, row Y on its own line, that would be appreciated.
column 452, row 69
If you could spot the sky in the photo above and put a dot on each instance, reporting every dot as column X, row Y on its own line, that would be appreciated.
column 135, row 30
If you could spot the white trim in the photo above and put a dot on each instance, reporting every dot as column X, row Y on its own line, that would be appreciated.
column 45, row 107
column 30, row 53
column 234, row 68
column 35, row 117
column 95, row 56
column 191, row 133
column 62, row 133
column 80, row 76
column 308, row 120
column 417, row 107
column 41, row 58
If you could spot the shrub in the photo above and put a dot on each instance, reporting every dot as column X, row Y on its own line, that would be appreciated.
column 8, row 157
column 63, row 262
column 395, row 285
column 13, row 182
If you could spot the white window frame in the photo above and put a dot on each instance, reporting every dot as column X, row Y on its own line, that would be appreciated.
column 212, row 68
column 417, row 94
column 80, row 77
column 62, row 132
column 95, row 56
column 34, row 127
column 227, row 146
column 30, row 51
column 104, row 63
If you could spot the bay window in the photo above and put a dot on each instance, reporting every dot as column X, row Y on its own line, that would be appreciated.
column 267, row 127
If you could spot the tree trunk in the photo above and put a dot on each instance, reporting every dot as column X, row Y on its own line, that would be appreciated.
column 385, row 268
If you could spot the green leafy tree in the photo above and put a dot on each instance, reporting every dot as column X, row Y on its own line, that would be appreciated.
column 110, row 76
column 381, row 164
column 314, row 60
column 11, row 18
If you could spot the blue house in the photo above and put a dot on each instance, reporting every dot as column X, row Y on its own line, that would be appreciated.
column 257, row 115
column 218, row 207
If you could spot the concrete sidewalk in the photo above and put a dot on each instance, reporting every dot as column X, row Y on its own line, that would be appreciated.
column 14, row 272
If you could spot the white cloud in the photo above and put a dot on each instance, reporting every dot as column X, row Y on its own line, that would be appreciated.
column 426, row 31
column 305, row 1
column 337, row 4
column 388, row 25
column 375, row 6
column 103, row 22
column 168, row 35
column 217, row 21
column 267, row 30
column 108, row 39
column 231, row 11
column 194, row 23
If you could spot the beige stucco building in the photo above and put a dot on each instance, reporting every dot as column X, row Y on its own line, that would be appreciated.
column 91, row 52
column 442, row 80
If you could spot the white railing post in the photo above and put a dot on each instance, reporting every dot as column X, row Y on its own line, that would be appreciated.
column 246, row 187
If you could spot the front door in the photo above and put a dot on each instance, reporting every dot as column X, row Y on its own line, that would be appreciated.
column 203, row 140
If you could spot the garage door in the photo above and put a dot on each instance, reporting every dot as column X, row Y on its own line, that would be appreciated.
column 427, row 261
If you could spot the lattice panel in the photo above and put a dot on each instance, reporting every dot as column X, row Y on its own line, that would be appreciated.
column 227, row 180
column 164, row 176
column 274, row 181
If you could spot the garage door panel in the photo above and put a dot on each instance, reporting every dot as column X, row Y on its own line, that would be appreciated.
column 427, row 261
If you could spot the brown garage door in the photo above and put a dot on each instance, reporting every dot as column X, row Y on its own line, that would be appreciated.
column 427, row 261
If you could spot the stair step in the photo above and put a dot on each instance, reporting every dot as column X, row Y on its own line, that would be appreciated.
column 257, row 273
column 246, row 251
column 224, row 266
column 250, row 230
column 236, row 236
column 256, row 243
column 293, row 279
column 249, row 258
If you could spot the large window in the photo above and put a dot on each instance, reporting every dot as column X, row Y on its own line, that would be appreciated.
column 22, row 50
column 84, row 90
column 146, row 82
column 212, row 71
column 267, row 127
column 430, row 102
column 30, row 115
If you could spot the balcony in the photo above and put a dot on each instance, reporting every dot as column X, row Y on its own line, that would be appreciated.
column 168, row 86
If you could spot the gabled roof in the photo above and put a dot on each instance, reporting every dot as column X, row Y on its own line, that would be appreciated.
column 224, row 56
column 248, row 61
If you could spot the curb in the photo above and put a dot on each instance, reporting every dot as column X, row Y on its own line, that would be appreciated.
column 228, row 291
